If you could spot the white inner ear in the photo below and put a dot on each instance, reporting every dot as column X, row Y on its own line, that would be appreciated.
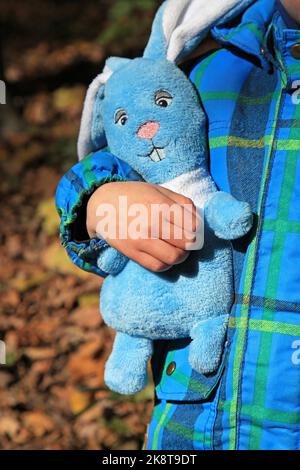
column 184, row 20
column 173, row 16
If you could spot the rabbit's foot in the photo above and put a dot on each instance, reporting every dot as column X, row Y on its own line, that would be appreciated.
column 126, row 368
column 206, row 348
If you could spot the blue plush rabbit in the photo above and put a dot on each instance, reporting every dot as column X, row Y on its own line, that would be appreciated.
column 149, row 114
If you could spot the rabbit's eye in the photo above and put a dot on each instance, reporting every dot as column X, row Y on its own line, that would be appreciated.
column 121, row 117
column 163, row 99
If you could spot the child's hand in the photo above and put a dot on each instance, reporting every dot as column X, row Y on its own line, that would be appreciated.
column 164, row 239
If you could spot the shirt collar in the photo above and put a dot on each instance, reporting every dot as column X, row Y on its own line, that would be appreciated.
column 253, row 30
column 249, row 33
column 282, row 40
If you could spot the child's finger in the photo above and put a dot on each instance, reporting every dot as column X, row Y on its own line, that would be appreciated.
column 175, row 197
column 149, row 262
column 182, row 211
column 164, row 252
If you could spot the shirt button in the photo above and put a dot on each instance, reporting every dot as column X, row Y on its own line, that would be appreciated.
column 171, row 368
column 295, row 51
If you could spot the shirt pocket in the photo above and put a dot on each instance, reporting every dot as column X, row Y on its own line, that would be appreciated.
column 174, row 378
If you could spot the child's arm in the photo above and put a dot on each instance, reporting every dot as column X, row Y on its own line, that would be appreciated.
column 83, row 189
column 72, row 196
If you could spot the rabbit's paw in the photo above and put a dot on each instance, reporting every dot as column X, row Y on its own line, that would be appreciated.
column 241, row 220
column 229, row 218
column 110, row 261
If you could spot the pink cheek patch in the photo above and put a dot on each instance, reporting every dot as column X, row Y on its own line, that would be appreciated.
column 148, row 130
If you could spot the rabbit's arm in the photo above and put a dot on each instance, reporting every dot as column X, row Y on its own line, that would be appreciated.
column 111, row 261
column 227, row 217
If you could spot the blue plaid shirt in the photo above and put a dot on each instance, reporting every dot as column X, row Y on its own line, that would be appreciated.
column 248, row 89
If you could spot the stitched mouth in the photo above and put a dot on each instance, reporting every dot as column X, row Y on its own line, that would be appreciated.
column 157, row 154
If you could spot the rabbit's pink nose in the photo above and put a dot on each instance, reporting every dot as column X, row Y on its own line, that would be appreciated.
column 148, row 130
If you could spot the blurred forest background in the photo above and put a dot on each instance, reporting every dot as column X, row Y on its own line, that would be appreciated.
column 52, row 394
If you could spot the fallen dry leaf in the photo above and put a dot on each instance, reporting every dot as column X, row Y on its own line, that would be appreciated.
column 9, row 426
column 79, row 400
column 48, row 214
column 38, row 423
column 54, row 258
column 86, row 317
column 38, row 354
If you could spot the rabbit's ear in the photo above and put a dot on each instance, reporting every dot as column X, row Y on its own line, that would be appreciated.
column 91, row 134
column 158, row 42
column 180, row 25
column 116, row 63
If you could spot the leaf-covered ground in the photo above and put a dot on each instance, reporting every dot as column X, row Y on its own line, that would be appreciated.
column 52, row 394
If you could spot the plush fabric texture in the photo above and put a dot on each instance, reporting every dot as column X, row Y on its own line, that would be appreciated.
column 154, row 122
column 179, row 125
column 126, row 368
column 111, row 261
column 229, row 218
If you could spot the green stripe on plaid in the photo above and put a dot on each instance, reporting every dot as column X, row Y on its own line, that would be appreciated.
column 285, row 226
column 234, row 96
column 265, row 326
column 162, row 420
column 260, row 413
column 250, row 26
column 292, row 144
column 294, row 69
column 189, row 382
column 177, row 428
column 234, row 141
column 266, row 302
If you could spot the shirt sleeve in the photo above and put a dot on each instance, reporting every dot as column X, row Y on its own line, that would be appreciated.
column 72, row 196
